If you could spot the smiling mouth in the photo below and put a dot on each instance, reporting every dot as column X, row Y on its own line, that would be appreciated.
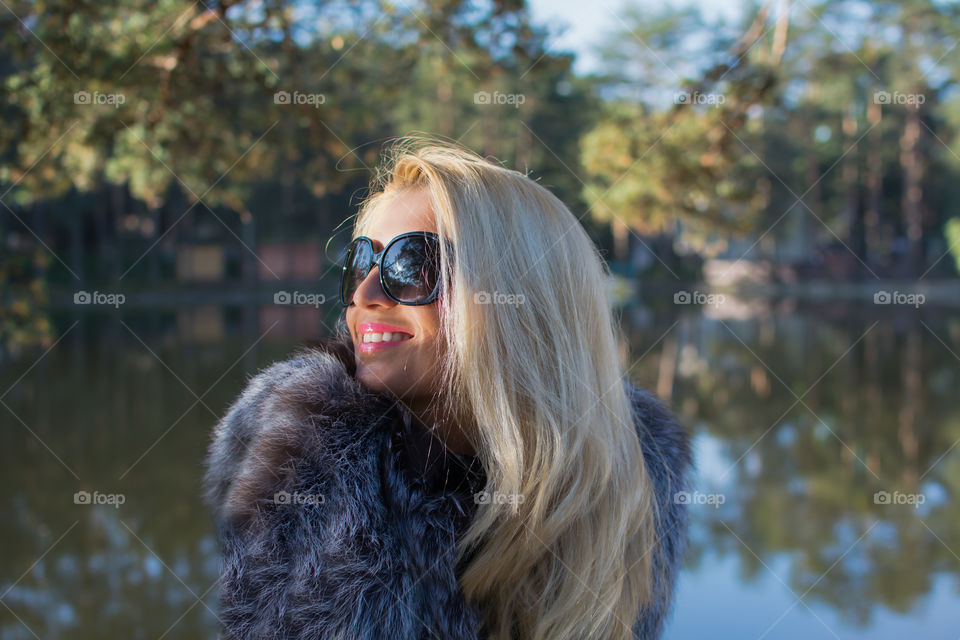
column 386, row 336
column 375, row 336
column 376, row 341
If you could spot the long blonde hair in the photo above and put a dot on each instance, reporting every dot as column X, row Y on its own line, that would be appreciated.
column 562, row 548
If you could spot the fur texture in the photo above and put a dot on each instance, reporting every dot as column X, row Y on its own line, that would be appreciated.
column 359, row 552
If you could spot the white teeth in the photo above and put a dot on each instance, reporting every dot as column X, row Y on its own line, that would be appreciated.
column 395, row 336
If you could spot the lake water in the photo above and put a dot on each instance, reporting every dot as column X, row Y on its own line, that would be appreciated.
column 802, row 417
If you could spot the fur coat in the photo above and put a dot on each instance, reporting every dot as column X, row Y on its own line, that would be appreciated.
column 326, row 533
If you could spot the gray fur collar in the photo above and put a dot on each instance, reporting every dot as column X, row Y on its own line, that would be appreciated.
column 359, row 552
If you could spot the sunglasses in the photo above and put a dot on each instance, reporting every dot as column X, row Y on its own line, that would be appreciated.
column 409, row 268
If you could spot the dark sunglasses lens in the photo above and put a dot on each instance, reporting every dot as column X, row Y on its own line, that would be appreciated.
column 411, row 268
column 356, row 267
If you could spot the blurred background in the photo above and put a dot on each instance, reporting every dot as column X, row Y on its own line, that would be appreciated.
column 776, row 187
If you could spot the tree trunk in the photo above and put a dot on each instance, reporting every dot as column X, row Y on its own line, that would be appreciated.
column 803, row 214
column 621, row 240
column 76, row 238
column 912, row 190
column 668, row 366
column 851, row 182
column 289, row 202
column 101, row 226
column 524, row 144
column 248, row 230
column 156, row 254
column 875, row 247
column 117, row 206
column 813, row 198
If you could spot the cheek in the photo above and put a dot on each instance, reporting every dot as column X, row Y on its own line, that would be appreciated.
column 431, row 316
column 348, row 318
column 429, row 351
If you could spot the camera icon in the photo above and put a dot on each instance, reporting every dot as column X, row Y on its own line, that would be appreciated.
column 81, row 97
column 481, row 297
column 481, row 97
column 281, row 497
column 681, row 97
column 81, row 297
column 81, row 497
column 681, row 297
column 281, row 297
column 281, row 97
column 881, row 297
column 681, row 497
column 881, row 497
column 881, row 97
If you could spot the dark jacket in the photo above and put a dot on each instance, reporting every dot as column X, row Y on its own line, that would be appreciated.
column 334, row 522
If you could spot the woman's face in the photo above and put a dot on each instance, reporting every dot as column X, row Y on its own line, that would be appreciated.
column 407, row 367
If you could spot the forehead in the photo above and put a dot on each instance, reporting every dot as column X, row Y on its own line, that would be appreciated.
column 407, row 210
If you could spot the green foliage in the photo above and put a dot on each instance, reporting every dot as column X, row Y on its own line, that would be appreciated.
column 192, row 110
column 23, row 294
column 189, row 92
column 803, row 135
column 669, row 151
column 175, row 106
column 653, row 169
column 951, row 232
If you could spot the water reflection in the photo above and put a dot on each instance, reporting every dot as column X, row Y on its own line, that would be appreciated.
column 802, row 417
column 830, row 434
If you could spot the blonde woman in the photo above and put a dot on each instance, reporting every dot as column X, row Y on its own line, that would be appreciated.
column 464, row 458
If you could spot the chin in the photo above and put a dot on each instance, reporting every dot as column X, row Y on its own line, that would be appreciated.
column 375, row 379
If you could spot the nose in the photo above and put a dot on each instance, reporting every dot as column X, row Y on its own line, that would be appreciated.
column 370, row 293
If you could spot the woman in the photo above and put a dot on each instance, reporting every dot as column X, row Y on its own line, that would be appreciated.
column 464, row 459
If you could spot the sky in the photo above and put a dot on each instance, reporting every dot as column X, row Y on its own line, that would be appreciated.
column 587, row 21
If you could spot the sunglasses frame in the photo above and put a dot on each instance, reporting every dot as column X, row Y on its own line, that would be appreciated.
column 377, row 262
